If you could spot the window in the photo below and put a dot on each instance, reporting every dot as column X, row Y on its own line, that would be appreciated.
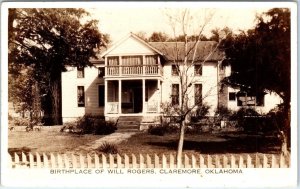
column 198, row 69
column 101, row 95
column 132, row 60
column 175, row 94
column 244, row 99
column 101, row 72
column 80, row 72
column 151, row 60
column 198, row 94
column 175, row 70
column 113, row 61
column 80, row 96
column 232, row 96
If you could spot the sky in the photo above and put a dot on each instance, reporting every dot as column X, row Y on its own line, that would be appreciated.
column 118, row 21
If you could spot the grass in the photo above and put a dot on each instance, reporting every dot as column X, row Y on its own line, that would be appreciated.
column 205, row 143
column 47, row 141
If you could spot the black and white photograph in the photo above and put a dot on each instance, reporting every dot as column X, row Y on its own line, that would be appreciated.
column 149, row 94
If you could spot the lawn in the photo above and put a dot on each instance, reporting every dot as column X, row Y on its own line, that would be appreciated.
column 205, row 143
column 47, row 141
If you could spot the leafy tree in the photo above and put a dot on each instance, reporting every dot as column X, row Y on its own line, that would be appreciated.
column 158, row 37
column 48, row 40
column 261, row 57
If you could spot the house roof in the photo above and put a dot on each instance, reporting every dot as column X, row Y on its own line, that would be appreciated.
column 206, row 50
column 125, row 38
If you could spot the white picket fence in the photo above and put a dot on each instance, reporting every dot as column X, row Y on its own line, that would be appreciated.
column 52, row 160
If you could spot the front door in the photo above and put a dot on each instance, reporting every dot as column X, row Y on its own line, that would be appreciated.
column 137, row 99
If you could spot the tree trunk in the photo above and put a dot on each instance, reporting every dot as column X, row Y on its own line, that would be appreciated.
column 180, row 144
column 55, row 98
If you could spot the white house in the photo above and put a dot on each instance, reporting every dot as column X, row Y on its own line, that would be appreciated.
column 133, row 78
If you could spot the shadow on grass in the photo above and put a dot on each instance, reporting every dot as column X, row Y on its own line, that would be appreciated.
column 231, row 144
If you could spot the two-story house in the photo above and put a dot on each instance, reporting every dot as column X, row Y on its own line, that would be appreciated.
column 133, row 78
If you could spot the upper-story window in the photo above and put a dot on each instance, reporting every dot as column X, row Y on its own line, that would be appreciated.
column 132, row 60
column 101, row 72
column 151, row 60
column 198, row 69
column 175, row 70
column 80, row 72
column 232, row 96
column 113, row 61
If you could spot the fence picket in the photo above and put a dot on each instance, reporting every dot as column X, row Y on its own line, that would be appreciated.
column 74, row 161
column 81, row 161
column 257, row 161
column 217, row 160
column 142, row 160
column 111, row 161
column 225, row 161
column 126, row 161
column 249, row 162
column 148, row 161
column 281, row 161
column 104, row 161
column 38, row 160
column 194, row 165
column 265, row 161
column 164, row 161
column 10, row 162
column 119, row 161
column 97, row 161
column 24, row 159
column 172, row 162
column 60, row 161
column 66, row 161
column 89, row 161
column 209, row 162
column 17, row 160
column 46, row 161
column 53, row 160
column 31, row 161
column 241, row 162
column 232, row 161
column 134, row 164
column 273, row 161
column 186, row 161
column 156, row 161
column 201, row 162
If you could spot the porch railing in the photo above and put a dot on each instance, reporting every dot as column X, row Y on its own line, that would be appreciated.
column 134, row 70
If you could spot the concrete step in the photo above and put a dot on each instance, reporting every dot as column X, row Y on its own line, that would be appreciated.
column 130, row 118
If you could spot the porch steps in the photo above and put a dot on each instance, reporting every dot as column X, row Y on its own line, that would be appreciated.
column 129, row 123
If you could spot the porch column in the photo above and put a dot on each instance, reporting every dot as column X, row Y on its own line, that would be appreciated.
column 159, row 95
column 105, row 96
column 144, row 95
column 120, row 97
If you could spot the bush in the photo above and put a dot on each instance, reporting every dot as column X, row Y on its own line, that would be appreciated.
column 92, row 125
column 108, row 148
column 162, row 129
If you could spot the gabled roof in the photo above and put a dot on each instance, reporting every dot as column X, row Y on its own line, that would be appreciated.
column 206, row 50
column 124, row 39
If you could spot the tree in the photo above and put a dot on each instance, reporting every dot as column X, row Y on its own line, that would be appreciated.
column 158, row 37
column 261, row 57
column 48, row 40
column 185, row 56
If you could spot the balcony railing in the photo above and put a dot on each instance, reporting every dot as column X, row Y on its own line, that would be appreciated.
column 134, row 70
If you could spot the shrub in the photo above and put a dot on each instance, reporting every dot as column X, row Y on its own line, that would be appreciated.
column 162, row 129
column 108, row 148
column 104, row 127
column 89, row 124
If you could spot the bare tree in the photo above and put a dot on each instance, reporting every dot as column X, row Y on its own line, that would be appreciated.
column 186, row 55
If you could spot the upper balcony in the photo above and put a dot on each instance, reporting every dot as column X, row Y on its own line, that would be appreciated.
column 144, row 65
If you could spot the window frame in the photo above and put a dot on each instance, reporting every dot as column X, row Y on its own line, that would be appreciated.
column 174, row 70
column 196, row 72
column 230, row 96
column 101, row 75
column 198, row 96
column 101, row 105
column 80, row 102
column 80, row 72
column 175, row 97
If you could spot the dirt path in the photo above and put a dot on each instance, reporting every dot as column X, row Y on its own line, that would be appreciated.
column 114, row 138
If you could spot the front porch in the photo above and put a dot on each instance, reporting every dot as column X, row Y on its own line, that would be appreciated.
column 132, row 97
